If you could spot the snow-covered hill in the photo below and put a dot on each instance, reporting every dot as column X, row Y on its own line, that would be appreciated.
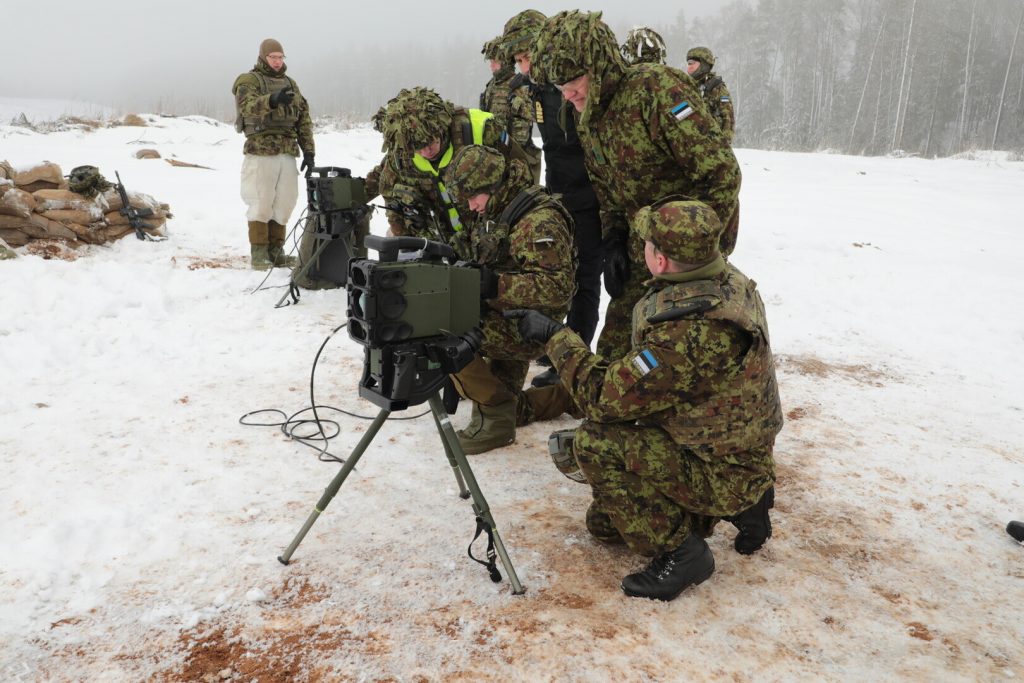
column 140, row 522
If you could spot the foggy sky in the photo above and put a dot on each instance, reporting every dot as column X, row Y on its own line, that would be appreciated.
column 138, row 52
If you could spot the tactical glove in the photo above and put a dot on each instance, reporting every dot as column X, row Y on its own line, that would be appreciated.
column 488, row 283
column 616, row 262
column 307, row 163
column 284, row 97
column 533, row 325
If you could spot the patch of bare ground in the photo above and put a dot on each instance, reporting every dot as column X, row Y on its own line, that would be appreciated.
column 200, row 262
column 815, row 367
column 53, row 249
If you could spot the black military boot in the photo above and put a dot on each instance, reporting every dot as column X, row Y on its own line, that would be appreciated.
column 754, row 523
column 669, row 573
column 1016, row 529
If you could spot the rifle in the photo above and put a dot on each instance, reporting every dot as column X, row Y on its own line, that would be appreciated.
column 135, row 215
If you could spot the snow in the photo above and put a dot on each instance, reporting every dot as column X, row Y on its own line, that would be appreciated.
column 140, row 521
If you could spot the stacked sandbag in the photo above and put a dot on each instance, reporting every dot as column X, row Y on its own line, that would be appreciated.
column 33, row 205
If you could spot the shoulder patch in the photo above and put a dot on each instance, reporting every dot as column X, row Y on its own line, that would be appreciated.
column 725, row 98
column 682, row 110
column 645, row 361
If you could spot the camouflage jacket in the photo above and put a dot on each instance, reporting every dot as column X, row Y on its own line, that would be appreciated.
column 719, row 101
column 650, row 135
column 511, row 107
column 700, row 367
column 270, row 131
column 425, row 186
column 532, row 252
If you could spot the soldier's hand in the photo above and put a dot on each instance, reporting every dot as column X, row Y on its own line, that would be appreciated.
column 488, row 283
column 308, row 162
column 455, row 352
column 533, row 325
column 616, row 267
column 284, row 97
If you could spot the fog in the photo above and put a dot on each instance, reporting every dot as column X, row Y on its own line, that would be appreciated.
column 182, row 57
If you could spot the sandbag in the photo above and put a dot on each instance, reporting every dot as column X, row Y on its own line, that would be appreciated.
column 6, row 170
column 147, row 154
column 15, row 238
column 15, row 202
column 47, row 172
column 84, row 217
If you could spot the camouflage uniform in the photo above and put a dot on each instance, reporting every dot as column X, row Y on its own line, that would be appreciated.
column 646, row 134
column 644, row 46
column 507, row 96
column 274, row 135
column 714, row 91
column 530, row 250
column 679, row 431
column 412, row 120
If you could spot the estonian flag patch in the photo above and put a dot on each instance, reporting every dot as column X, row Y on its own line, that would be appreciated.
column 725, row 98
column 645, row 361
column 682, row 110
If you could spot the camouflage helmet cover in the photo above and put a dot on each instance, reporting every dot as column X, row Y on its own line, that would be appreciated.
column 644, row 46
column 573, row 43
column 702, row 55
column 87, row 181
column 493, row 49
column 521, row 30
column 685, row 231
column 474, row 169
column 417, row 117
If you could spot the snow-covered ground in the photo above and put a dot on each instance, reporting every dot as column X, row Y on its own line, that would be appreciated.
column 140, row 522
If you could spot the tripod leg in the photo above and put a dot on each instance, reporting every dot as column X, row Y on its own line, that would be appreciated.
column 302, row 271
column 339, row 479
column 440, row 421
column 479, row 502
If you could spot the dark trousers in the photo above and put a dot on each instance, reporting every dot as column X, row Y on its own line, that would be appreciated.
column 583, row 311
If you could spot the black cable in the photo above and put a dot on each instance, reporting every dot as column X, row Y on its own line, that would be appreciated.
column 289, row 423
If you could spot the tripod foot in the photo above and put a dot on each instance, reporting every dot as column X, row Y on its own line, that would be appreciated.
column 283, row 561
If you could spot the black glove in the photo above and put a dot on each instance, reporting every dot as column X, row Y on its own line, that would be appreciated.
column 615, row 247
column 488, row 283
column 455, row 352
column 307, row 163
column 533, row 325
column 284, row 97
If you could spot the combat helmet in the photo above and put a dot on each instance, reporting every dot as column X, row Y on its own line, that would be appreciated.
column 521, row 30
column 492, row 49
column 417, row 117
column 704, row 56
column 644, row 46
column 684, row 230
column 573, row 43
column 87, row 181
column 474, row 169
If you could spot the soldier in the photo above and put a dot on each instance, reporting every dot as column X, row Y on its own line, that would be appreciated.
column 565, row 174
column 680, row 431
column 274, row 116
column 646, row 134
column 699, row 62
column 644, row 46
column 508, row 99
column 523, row 243
column 422, row 133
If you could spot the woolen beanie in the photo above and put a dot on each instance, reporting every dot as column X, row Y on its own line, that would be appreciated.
column 269, row 45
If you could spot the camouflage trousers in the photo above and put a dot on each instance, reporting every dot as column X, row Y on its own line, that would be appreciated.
column 654, row 492
column 614, row 341
column 498, row 372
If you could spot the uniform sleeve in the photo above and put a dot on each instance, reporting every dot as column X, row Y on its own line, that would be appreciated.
column 726, row 113
column 541, row 247
column 676, row 362
column 304, row 129
column 521, row 116
column 248, row 100
column 681, row 122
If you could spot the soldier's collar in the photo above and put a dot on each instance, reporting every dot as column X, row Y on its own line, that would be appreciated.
column 703, row 273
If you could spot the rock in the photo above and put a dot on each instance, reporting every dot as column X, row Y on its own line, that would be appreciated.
column 147, row 154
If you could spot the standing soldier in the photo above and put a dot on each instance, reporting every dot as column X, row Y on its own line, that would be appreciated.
column 646, row 134
column 699, row 63
column 564, row 174
column 680, row 431
column 508, row 99
column 523, row 244
column 423, row 132
column 274, row 116
column 644, row 46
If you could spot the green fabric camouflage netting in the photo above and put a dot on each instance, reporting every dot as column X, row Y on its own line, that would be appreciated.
column 87, row 181
column 521, row 30
column 644, row 46
column 415, row 118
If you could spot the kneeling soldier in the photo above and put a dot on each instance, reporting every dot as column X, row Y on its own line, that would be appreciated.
column 680, row 431
column 522, row 240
